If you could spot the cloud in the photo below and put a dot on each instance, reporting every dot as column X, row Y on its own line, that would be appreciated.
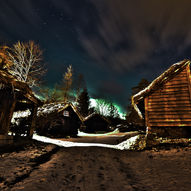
column 111, row 88
column 128, row 32
column 128, row 38
column 18, row 18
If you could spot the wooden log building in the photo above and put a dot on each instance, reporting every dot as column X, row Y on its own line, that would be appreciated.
column 15, row 96
column 167, row 102
column 95, row 122
column 58, row 120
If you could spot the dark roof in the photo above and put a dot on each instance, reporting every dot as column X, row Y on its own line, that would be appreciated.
column 8, row 80
column 158, row 83
column 95, row 115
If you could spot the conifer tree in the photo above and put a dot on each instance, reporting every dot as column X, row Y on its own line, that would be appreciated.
column 141, row 85
column 83, row 102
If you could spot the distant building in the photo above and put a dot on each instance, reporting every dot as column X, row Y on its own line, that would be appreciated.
column 95, row 122
column 167, row 102
column 15, row 96
column 58, row 120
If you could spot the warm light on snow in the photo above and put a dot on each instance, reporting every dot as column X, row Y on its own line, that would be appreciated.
column 82, row 134
column 125, row 145
column 20, row 114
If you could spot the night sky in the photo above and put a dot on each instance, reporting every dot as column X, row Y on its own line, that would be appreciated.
column 113, row 43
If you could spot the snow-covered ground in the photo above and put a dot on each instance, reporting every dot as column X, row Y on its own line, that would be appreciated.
column 38, row 166
column 125, row 145
column 113, row 133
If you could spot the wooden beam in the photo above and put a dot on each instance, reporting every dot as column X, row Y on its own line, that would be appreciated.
column 181, row 75
column 181, row 112
column 173, row 124
column 32, row 121
column 172, row 91
column 189, row 79
column 172, row 86
column 146, row 111
column 175, row 83
column 171, row 94
column 171, row 109
column 170, row 116
column 169, row 102
column 11, row 114
column 170, row 120
column 169, row 106
column 177, row 80
column 172, row 98
column 7, row 108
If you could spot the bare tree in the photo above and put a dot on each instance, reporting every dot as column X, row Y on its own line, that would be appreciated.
column 27, row 62
column 50, row 94
column 102, row 107
column 4, row 61
column 66, row 84
column 113, row 112
column 61, row 92
column 106, row 108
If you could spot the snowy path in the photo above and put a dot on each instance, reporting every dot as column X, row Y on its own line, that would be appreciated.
column 96, row 169
column 125, row 145
column 41, row 166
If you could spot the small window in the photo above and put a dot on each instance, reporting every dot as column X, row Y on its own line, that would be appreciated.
column 66, row 113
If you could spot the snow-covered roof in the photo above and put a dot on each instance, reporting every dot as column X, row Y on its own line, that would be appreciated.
column 49, row 108
column 158, row 82
column 95, row 114
column 89, row 116
column 8, row 80
column 56, row 107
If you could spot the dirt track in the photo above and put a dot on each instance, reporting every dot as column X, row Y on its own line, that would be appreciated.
column 51, row 168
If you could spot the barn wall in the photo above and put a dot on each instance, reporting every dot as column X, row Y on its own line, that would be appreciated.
column 170, row 106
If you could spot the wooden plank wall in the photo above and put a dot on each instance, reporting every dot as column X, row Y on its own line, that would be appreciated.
column 170, row 105
column 7, row 105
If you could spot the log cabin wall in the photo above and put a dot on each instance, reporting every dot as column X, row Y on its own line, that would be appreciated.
column 96, row 123
column 7, row 105
column 32, row 119
column 57, row 123
column 14, row 95
column 170, row 106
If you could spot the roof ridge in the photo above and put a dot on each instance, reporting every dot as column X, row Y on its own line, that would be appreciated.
column 154, row 85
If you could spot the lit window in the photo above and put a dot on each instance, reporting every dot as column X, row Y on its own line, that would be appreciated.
column 66, row 113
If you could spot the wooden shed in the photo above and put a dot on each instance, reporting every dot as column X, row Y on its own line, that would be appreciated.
column 167, row 102
column 96, row 122
column 15, row 96
column 58, row 120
